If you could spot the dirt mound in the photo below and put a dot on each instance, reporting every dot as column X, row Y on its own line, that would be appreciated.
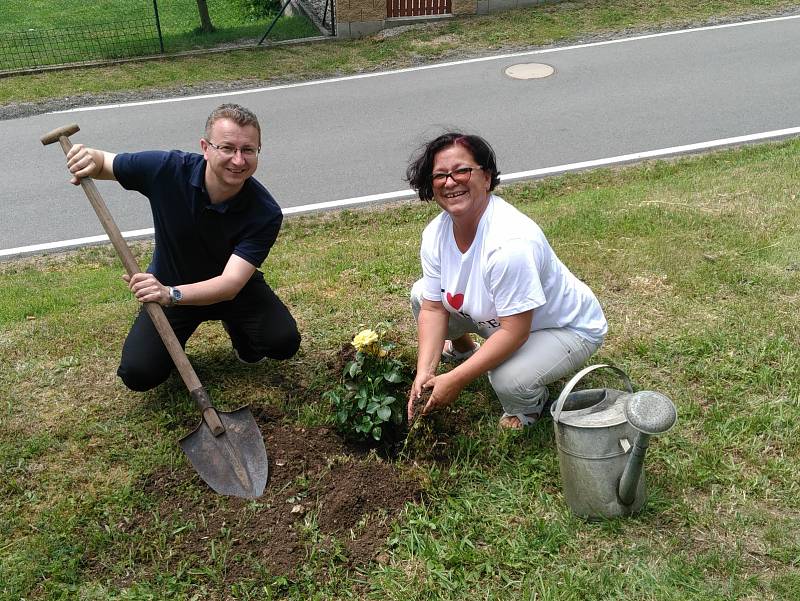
column 346, row 354
column 322, row 496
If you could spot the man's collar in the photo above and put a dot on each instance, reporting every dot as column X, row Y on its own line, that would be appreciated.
column 198, row 177
column 235, row 203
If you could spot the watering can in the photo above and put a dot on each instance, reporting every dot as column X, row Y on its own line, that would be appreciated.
column 602, row 436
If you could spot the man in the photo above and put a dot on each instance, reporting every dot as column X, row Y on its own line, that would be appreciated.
column 214, row 226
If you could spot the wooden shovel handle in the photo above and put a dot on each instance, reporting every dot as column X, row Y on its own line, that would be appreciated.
column 153, row 309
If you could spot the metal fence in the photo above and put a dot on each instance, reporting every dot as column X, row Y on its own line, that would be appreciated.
column 79, row 44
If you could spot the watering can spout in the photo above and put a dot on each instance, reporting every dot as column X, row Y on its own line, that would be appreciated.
column 651, row 413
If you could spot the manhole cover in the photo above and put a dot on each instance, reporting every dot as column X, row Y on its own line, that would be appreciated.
column 529, row 71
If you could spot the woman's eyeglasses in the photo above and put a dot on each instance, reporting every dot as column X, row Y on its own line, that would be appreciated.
column 460, row 176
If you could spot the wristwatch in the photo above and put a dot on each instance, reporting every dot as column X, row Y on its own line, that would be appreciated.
column 175, row 295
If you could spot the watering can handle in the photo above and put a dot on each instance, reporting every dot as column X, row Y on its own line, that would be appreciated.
column 576, row 378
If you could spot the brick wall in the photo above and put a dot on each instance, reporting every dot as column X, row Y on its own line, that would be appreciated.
column 463, row 7
column 360, row 10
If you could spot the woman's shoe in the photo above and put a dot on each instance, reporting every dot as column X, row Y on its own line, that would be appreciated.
column 517, row 421
column 451, row 355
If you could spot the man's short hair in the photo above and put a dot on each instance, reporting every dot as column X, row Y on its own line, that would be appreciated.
column 236, row 113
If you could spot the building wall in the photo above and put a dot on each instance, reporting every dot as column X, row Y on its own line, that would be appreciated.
column 356, row 18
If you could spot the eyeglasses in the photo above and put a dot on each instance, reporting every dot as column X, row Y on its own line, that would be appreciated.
column 459, row 176
column 248, row 152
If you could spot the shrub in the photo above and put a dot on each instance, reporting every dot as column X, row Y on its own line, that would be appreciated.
column 370, row 401
column 255, row 10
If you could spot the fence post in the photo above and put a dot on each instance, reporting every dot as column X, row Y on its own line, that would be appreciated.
column 158, row 26
column 275, row 20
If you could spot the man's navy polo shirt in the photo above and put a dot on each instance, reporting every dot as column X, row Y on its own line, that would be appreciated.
column 194, row 238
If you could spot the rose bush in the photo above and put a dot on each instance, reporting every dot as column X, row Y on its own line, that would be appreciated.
column 368, row 401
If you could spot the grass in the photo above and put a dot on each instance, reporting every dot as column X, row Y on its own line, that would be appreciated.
column 62, row 33
column 695, row 262
column 546, row 24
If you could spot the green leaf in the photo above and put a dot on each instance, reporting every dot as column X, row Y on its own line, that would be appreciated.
column 384, row 413
column 377, row 433
column 354, row 369
column 394, row 377
column 362, row 402
column 373, row 407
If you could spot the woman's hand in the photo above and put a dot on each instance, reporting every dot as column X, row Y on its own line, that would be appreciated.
column 446, row 389
column 147, row 289
column 421, row 382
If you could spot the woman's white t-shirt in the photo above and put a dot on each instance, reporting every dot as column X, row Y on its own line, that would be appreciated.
column 509, row 269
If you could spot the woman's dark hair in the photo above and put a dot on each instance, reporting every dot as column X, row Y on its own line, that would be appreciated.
column 420, row 171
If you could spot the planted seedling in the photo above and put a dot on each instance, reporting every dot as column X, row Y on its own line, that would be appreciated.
column 367, row 402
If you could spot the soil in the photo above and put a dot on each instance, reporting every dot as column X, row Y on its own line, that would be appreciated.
column 346, row 354
column 430, row 436
column 419, row 404
column 323, row 498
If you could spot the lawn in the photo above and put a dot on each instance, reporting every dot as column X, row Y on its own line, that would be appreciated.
column 695, row 262
column 66, row 32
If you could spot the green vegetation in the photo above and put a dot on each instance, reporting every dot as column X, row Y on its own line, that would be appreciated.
column 77, row 29
column 696, row 262
column 369, row 402
column 546, row 24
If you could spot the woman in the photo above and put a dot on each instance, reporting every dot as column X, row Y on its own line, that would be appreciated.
column 488, row 269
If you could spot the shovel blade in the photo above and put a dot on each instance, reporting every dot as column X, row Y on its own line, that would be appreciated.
column 233, row 463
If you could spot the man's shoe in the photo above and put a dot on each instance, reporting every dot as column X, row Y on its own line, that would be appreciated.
column 256, row 362
column 235, row 352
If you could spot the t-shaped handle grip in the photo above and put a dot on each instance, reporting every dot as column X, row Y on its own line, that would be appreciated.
column 55, row 135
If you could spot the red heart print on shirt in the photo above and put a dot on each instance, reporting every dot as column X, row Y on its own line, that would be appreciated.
column 455, row 300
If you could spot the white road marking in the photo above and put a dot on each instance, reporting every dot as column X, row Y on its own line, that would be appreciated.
column 404, row 194
column 426, row 67
column 73, row 243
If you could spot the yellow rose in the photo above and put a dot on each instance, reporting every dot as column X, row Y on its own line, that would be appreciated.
column 364, row 339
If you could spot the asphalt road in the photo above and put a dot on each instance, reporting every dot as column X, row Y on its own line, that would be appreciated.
column 352, row 137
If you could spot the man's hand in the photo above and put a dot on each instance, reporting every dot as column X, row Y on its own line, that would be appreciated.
column 147, row 289
column 89, row 162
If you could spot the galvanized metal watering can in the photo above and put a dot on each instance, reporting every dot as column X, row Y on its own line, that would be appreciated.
column 602, row 436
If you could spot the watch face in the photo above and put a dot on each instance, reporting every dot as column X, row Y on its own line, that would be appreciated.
column 176, row 295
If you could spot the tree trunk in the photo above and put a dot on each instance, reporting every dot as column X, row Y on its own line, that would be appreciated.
column 205, row 20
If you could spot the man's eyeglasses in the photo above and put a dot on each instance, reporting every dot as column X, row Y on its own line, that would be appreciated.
column 460, row 176
column 248, row 152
